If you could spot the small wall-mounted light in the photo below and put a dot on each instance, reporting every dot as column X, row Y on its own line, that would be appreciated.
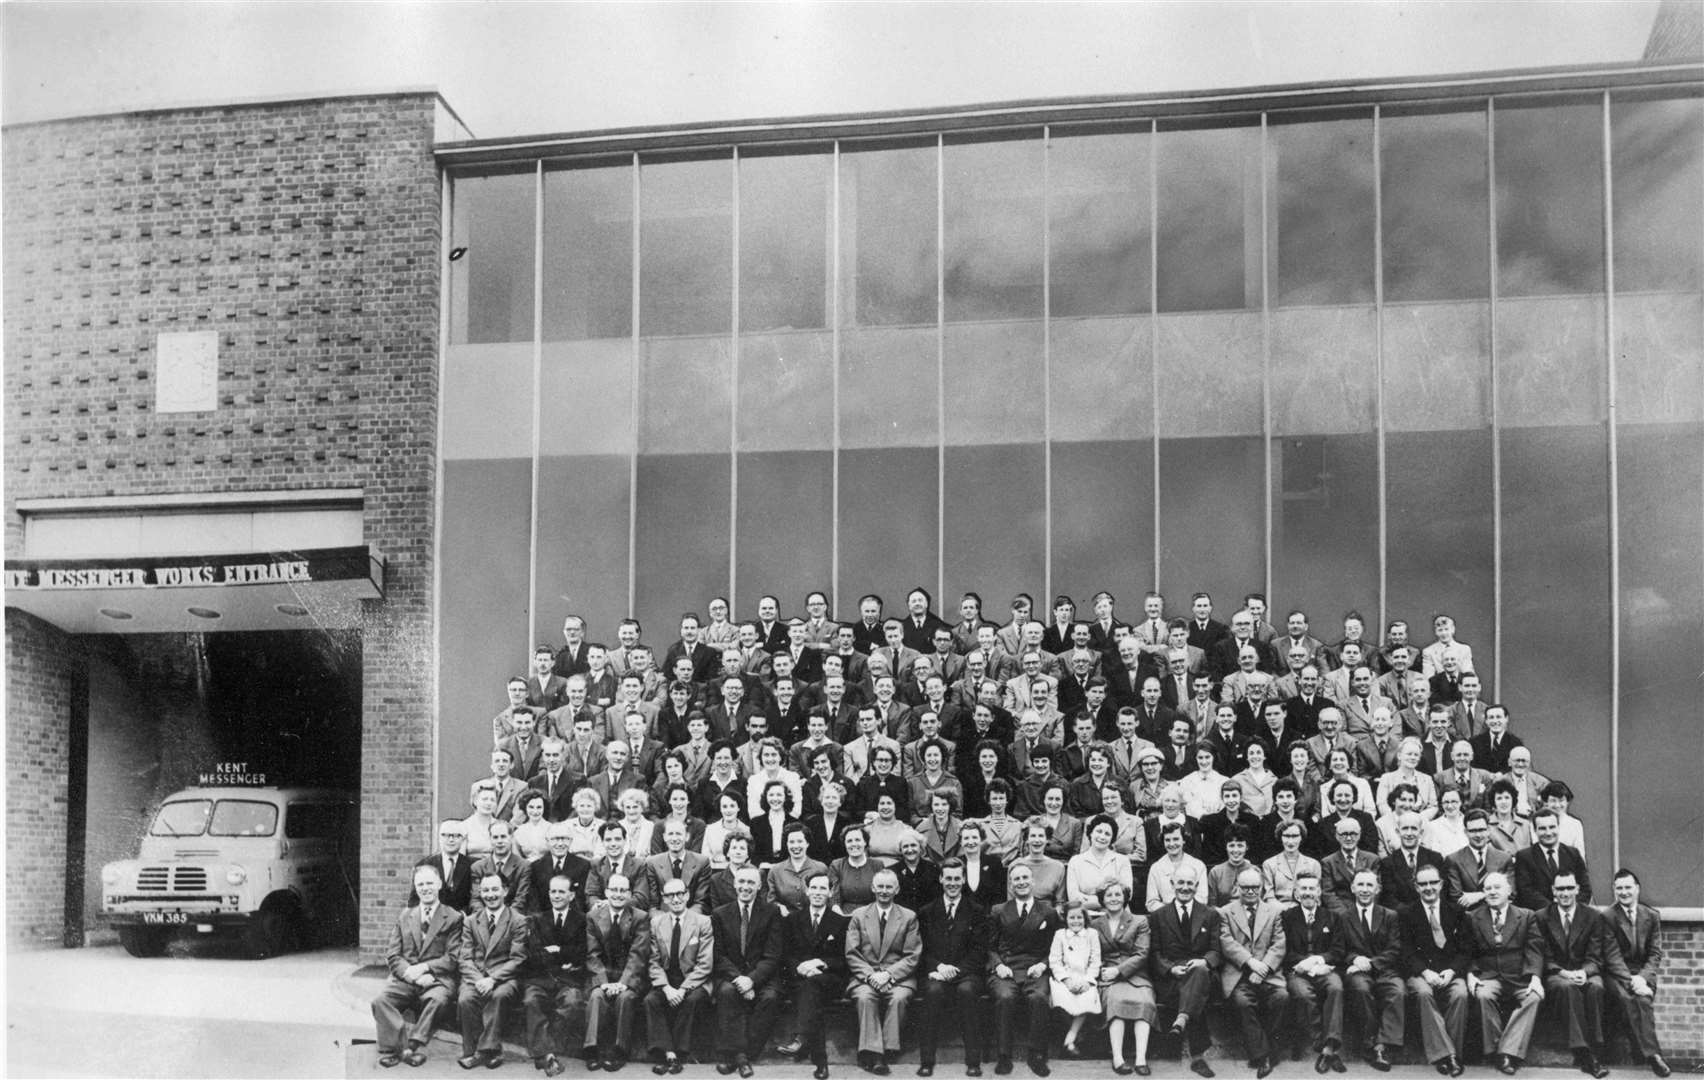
column 204, row 613
column 290, row 609
column 456, row 253
column 116, row 615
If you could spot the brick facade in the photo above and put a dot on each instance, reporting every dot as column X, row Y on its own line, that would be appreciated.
column 306, row 234
column 41, row 673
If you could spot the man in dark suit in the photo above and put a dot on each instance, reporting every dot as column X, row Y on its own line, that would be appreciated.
column 1638, row 931
column 1304, row 708
column 455, row 869
column 682, row 943
column 524, row 745
column 867, row 631
column 816, row 956
column 546, row 690
column 493, row 949
column 747, row 961
column 554, row 982
column 1185, row 951
column 1204, row 630
column 556, row 861
column 1505, row 968
column 423, row 959
column 1435, row 960
column 920, row 622
column 571, row 658
column 1580, row 956
column 506, row 863
column 807, row 660
column 1313, row 953
column 1396, row 870
column 1372, row 972
column 1537, row 866
column 618, row 958
column 618, row 862
column 705, row 659
column 1491, row 749
column 1019, row 943
column 955, row 954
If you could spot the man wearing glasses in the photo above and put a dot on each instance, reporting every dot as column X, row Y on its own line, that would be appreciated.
column 453, row 866
column 1465, row 870
column 1435, row 959
column 681, row 955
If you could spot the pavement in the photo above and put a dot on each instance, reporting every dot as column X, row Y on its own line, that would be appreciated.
column 205, row 1011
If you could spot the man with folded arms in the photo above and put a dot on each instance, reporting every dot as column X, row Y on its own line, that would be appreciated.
column 555, row 982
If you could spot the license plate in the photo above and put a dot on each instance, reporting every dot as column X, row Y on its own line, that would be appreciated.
column 164, row 918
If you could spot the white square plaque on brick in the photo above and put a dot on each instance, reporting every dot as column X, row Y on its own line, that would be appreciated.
column 186, row 376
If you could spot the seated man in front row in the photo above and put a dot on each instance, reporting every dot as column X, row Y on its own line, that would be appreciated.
column 493, row 949
column 1505, row 965
column 422, row 956
column 883, row 948
column 555, row 984
column 682, row 946
column 1638, row 933
column 1185, row 933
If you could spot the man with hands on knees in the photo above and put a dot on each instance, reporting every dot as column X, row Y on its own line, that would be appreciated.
column 883, row 949
column 423, row 954
column 1505, row 969
column 681, row 957
column 493, row 950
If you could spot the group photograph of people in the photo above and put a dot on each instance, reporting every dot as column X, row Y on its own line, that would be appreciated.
column 1007, row 840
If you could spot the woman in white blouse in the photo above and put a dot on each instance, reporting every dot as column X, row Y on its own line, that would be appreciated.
column 770, row 756
column 1089, row 871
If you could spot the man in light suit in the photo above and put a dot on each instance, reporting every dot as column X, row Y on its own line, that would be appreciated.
column 1505, row 968
column 1580, row 956
column 674, row 862
column 1251, row 944
column 618, row 957
column 894, row 655
column 748, row 961
column 1638, row 931
column 423, row 958
column 681, row 957
column 525, row 747
column 883, row 948
column 1463, row 777
column 554, row 986
column 1020, row 691
column 1358, row 707
column 493, row 950
column 1372, row 972
column 1465, row 870
column 1186, row 936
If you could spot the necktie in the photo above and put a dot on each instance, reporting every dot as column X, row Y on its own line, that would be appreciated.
column 674, row 954
column 745, row 924
column 1497, row 924
column 1437, row 927
column 1183, row 915
column 1367, row 918
column 491, row 920
column 1023, row 912
column 1410, row 864
column 1479, row 857
column 558, row 920
column 426, row 916
column 950, row 909
column 1307, row 917
column 677, row 868
column 1550, row 857
column 816, row 923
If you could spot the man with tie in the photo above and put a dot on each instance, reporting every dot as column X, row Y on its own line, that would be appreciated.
column 747, row 962
column 423, row 959
column 1638, row 931
column 1580, row 956
column 554, row 986
column 1465, row 870
column 1021, row 938
column 1204, row 630
column 617, row 861
column 503, row 781
column 1537, row 866
column 676, row 863
column 618, row 957
column 523, row 744
column 1435, row 961
column 554, row 779
column 883, row 949
column 455, row 869
column 1251, row 944
column 1505, row 968
column 1491, row 750
column 920, row 622
column 493, row 950
column 816, row 955
column 1372, row 972
column 1468, row 714
column 521, row 701
column 682, row 943
column 1186, row 950
column 1337, row 871
column 557, row 860
column 1376, row 751
column 955, row 954
column 1153, row 633
column 1313, row 951
column 504, row 861
column 1128, row 748
column 1396, row 870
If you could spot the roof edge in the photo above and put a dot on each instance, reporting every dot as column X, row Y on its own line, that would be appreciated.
column 242, row 103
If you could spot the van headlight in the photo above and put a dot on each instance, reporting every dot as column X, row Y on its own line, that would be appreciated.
column 109, row 874
column 236, row 875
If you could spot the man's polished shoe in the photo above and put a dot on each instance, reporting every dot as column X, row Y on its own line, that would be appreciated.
column 1659, row 1066
column 1180, row 1025
column 1507, row 1064
column 820, row 1073
column 973, row 1070
column 470, row 1061
column 1263, row 1068
column 1589, row 1064
column 1322, row 1064
column 1456, row 1067
column 494, row 1059
column 614, row 1062
column 390, row 1060
column 1199, row 1067
column 551, row 1066
column 1143, row 1070
column 926, row 1069
column 415, row 1057
column 676, row 1067
column 1442, row 1065
column 746, row 1070
column 1376, row 1058
column 661, row 1068
column 1003, row 1066
column 725, row 1068
column 593, row 1062
column 880, row 1067
column 1038, row 1065
column 791, row 1046
column 1335, row 1060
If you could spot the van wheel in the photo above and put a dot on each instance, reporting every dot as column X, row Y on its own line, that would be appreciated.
column 142, row 941
column 265, row 935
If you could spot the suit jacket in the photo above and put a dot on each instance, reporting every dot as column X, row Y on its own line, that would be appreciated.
column 1020, row 943
column 1396, row 882
column 1222, row 658
column 867, row 638
column 1532, row 875
column 732, row 728
column 1358, row 717
column 1324, row 938
column 552, row 694
column 580, row 765
column 567, row 963
column 898, row 661
column 1420, row 949
column 1493, row 760
column 1472, row 792
column 543, row 869
column 618, row 949
column 437, row 945
column 1462, row 873
column 705, row 660
column 1589, row 945
column 1382, row 944
column 611, row 789
column 1242, row 939
column 760, row 959
column 526, row 762
column 898, row 951
column 1203, row 636
column 1369, row 760
column 457, row 890
column 807, row 663
column 1337, row 877
column 826, row 942
column 922, row 638
column 1303, row 714
column 1174, row 943
column 516, row 873
column 697, row 948
column 694, row 870
column 570, row 660
column 1640, row 940
column 961, row 941
column 631, row 868
column 495, row 951
column 1515, row 956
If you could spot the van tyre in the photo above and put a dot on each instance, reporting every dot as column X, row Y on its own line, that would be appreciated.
column 267, row 933
column 143, row 941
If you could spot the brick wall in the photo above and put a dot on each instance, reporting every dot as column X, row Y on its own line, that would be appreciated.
column 1680, row 994
column 41, row 671
column 306, row 234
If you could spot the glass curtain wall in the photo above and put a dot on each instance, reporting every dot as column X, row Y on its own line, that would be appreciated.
column 1417, row 359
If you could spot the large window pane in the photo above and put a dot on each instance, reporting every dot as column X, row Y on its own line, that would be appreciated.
column 1212, row 519
column 1322, row 197
column 491, row 285
column 785, row 526
column 1549, row 198
column 993, row 226
column 889, row 522
column 1209, row 216
column 1657, row 159
column 786, row 391
column 1435, row 200
column 582, row 544
column 996, row 390
column 1102, row 375
column 995, row 505
column 588, row 253
column 888, row 251
column 1099, row 250
column 785, row 209
column 681, row 541
column 686, row 245
column 685, row 395
column 889, row 386
column 1103, row 518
